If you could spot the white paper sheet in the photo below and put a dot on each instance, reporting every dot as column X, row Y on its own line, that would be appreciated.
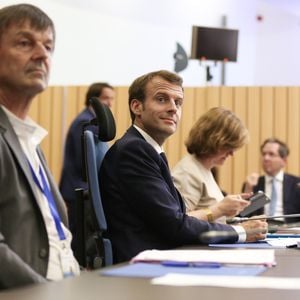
column 232, row 256
column 229, row 281
column 282, row 242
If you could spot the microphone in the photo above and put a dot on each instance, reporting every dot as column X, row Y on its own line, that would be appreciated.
column 243, row 219
column 285, row 228
column 290, row 225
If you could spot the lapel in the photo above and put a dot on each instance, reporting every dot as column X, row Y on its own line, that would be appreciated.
column 165, row 171
column 13, row 143
column 261, row 184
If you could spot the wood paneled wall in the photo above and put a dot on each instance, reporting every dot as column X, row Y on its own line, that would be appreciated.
column 266, row 111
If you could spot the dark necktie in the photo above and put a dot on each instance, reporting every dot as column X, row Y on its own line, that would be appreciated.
column 170, row 182
column 163, row 156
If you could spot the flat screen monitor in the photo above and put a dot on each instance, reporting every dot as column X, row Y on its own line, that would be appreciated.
column 218, row 44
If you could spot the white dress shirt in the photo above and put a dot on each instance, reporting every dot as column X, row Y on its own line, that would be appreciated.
column 278, row 181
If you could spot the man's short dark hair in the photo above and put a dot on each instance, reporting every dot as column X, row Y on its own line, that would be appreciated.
column 20, row 13
column 283, row 149
column 95, row 90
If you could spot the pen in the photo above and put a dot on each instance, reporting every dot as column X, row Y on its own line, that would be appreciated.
column 282, row 235
column 171, row 263
column 292, row 246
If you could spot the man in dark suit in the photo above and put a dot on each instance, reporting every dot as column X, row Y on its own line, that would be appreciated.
column 34, row 239
column 282, row 188
column 72, row 173
column 143, row 208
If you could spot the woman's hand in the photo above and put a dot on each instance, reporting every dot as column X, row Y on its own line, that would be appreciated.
column 230, row 206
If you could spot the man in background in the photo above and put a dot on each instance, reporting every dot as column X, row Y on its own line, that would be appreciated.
column 72, row 171
column 282, row 188
column 34, row 239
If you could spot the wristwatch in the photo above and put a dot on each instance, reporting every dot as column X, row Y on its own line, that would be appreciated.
column 209, row 215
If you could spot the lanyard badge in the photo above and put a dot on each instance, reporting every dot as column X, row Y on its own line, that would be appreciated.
column 66, row 255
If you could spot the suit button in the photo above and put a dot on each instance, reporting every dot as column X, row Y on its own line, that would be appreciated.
column 43, row 253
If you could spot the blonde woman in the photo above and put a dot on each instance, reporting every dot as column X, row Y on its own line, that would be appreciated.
column 214, row 137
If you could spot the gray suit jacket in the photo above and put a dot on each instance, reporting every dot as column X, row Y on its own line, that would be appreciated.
column 24, row 246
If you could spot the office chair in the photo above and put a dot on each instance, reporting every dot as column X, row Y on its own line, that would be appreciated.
column 94, row 250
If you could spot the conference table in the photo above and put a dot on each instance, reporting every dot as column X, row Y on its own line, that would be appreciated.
column 92, row 285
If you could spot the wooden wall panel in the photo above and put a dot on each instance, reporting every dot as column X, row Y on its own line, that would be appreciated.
column 70, row 106
column 56, row 133
column 213, row 97
column 34, row 109
column 188, row 118
column 280, row 113
column 226, row 100
column 81, row 93
column 200, row 102
column 253, row 123
column 266, row 111
column 293, row 129
column 121, row 111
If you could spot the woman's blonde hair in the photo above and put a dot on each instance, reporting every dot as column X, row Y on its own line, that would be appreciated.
column 218, row 129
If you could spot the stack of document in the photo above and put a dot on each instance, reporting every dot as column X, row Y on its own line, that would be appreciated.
column 154, row 263
column 265, row 257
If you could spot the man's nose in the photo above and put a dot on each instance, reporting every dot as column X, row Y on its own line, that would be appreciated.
column 173, row 106
column 41, row 52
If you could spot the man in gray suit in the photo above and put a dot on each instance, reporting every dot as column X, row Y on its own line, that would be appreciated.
column 34, row 239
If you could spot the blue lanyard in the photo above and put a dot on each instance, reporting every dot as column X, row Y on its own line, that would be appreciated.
column 52, row 205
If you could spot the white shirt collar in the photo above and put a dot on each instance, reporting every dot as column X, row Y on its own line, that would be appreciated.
column 149, row 139
column 26, row 129
column 279, row 176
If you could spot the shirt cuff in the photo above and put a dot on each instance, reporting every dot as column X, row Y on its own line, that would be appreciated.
column 241, row 233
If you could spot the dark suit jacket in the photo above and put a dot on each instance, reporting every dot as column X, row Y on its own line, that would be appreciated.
column 24, row 246
column 291, row 195
column 142, row 206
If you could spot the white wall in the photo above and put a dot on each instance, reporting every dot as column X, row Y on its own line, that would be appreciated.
column 117, row 40
column 278, row 48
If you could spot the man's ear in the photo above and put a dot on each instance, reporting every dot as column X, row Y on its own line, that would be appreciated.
column 136, row 106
